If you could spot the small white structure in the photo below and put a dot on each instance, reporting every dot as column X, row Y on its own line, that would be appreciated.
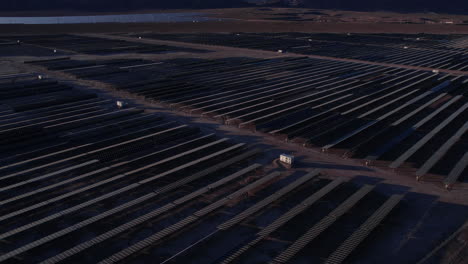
column 40, row 77
column 288, row 159
column 280, row 51
column 121, row 104
column 435, row 71
column 405, row 47
column 55, row 51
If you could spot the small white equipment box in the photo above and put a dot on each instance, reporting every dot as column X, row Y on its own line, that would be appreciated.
column 121, row 104
column 288, row 159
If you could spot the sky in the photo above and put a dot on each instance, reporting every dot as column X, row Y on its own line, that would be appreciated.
column 439, row 6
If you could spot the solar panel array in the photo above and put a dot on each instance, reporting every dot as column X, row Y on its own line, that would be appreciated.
column 385, row 116
column 432, row 51
column 71, row 160
column 85, row 181
column 62, row 44
column 78, row 175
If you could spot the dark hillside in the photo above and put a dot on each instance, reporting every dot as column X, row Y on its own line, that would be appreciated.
column 450, row 6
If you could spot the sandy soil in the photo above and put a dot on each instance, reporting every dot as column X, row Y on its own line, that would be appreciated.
column 11, row 66
column 235, row 26
column 324, row 14
column 248, row 13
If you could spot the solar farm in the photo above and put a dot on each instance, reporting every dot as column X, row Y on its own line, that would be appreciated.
column 432, row 51
column 165, row 148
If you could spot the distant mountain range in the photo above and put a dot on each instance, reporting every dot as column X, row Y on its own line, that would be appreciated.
column 447, row 6
column 438, row 6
